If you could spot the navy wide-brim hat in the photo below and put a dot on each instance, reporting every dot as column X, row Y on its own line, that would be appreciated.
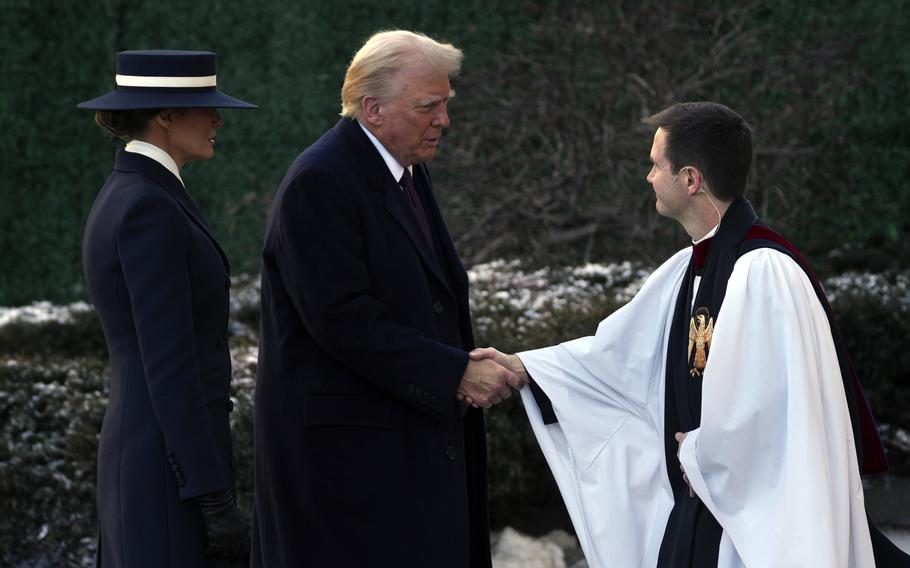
column 164, row 79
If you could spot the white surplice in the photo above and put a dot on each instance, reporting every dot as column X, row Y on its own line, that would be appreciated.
column 774, row 458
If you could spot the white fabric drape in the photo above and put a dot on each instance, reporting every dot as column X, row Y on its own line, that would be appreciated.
column 774, row 458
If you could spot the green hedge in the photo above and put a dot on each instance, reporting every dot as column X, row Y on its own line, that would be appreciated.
column 50, row 416
column 545, row 158
column 873, row 314
column 287, row 56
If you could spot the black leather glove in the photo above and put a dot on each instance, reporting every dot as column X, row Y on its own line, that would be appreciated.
column 228, row 532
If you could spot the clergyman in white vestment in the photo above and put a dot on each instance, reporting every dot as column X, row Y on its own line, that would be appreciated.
column 713, row 420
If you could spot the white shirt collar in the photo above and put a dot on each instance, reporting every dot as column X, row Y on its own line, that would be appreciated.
column 710, row 234
column 155, row 153
column 395, row 168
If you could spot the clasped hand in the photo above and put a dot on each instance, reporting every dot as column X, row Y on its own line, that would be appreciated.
column 490, row 377
column 680, row 436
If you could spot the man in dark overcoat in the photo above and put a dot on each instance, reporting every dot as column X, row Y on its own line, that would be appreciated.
column 364, row 456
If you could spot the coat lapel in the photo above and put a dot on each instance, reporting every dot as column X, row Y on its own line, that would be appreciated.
column 133, row 162
column 380, row 179
column 449, row 256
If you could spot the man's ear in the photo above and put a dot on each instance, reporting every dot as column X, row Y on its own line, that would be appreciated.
column 371, row 110
column 693, row 180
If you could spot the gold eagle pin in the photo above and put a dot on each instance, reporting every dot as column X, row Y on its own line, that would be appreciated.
column 701, row 328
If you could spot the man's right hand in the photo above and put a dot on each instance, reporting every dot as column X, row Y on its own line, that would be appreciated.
column 486, row 383
column 510, row 362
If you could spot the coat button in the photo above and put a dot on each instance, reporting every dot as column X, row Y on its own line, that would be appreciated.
column 438, row 307
column 450, row 453
column 230, row 405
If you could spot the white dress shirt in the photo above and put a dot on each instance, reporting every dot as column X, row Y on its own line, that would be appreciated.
column 155, row 153
column 395, row 168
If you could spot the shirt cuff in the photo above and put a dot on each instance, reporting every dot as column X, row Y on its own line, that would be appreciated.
column 689, row 462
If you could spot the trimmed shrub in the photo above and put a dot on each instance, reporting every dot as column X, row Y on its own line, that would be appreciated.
column 52, row 404
column 873, row 314
column 45, row 330
column 50, row 416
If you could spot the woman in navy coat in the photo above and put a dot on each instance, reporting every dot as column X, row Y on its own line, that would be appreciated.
column 159, row 281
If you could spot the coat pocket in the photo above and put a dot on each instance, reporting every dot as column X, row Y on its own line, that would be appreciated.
column 346, row 410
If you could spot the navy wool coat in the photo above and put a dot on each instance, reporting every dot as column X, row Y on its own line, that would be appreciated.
column 363, row 455
column 159, row 282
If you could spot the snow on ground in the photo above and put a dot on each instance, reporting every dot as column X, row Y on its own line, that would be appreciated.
column 42, row 312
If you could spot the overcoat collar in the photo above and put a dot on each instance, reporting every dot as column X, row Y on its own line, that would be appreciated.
column 137, row 163
column 380, row 179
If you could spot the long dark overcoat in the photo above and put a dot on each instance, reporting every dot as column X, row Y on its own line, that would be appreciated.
column 364, row 458
column 159, row 282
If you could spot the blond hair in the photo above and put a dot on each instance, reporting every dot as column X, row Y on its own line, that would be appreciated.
column 372, row 71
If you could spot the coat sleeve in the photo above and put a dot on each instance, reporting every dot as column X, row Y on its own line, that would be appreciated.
column 774, row 458
column 152, row 244
column 321, row 257
column 606, row 451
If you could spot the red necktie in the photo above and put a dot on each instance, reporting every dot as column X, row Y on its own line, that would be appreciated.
column 407, row 184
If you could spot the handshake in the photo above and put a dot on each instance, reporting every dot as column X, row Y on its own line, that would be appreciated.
column 490, row 377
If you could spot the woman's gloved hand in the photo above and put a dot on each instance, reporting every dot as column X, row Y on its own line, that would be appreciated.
column 228, row 531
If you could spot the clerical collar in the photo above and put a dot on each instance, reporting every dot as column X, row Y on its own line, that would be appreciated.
column 155, row 153
column 395, row 168
column 700, row 249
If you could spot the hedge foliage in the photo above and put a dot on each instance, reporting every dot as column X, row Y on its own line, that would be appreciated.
column 54, row 378
column 545, row 158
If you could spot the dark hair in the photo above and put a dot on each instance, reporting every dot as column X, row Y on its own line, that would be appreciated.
column 126, row 124
column 712, row 138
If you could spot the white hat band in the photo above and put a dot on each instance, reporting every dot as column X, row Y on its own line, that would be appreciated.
column 184, row 82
